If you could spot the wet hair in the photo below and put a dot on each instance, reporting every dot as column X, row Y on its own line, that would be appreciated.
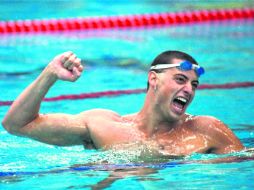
column 167, row 57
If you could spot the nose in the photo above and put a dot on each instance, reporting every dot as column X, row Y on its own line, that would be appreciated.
column 188, row 89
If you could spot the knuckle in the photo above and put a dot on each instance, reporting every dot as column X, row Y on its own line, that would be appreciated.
column 67, row 56
column 73, row 56
column 69, row 53
column 72, row 59
column 78, row 61
column 81, row 67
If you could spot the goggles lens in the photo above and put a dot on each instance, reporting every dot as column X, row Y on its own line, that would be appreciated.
column 187, row 66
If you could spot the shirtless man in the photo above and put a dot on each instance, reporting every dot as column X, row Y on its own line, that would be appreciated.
column 162, row 124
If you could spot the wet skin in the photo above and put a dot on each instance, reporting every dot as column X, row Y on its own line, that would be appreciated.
column 161, row 127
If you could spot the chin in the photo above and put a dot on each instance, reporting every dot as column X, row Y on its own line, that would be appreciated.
column 176, row 114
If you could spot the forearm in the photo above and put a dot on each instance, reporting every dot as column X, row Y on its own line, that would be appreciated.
column 26, row 107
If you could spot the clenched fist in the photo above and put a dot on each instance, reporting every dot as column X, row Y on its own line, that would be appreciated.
column 66, row 66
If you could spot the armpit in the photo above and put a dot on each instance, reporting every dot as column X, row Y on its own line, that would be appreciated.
column 88, row 145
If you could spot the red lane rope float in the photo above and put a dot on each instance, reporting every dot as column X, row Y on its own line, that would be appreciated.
column 133, row 91
column 130, row 21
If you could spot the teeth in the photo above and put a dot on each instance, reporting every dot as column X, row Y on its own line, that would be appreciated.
column 182, row 99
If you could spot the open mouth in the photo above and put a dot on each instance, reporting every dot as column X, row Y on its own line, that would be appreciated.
column 180, row 103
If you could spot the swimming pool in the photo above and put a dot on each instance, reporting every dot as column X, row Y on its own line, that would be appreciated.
column 225, row 49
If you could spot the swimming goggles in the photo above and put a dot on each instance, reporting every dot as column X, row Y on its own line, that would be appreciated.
column 184, row 66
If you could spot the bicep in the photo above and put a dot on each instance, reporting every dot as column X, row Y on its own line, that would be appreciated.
column 57, row 129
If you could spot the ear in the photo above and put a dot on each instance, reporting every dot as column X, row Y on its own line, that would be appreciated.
column 152, row 79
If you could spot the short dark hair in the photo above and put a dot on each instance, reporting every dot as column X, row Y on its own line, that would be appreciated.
column 167, row 57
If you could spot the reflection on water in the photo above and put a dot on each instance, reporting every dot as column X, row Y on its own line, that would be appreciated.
column 110, row 166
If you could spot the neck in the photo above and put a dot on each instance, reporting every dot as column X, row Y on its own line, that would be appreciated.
column 151, row 122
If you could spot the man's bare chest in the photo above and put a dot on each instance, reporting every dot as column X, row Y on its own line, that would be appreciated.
column 178, row 142
column 182, row 144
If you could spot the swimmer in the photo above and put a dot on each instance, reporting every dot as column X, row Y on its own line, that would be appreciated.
column 162, row 125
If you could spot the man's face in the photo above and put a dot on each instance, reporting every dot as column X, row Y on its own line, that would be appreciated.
column 175, row 91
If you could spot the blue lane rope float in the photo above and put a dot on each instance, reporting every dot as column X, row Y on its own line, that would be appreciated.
column 106, row 167
column 112, row 167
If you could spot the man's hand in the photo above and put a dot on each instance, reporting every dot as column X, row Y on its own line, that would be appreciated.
column 66, row 66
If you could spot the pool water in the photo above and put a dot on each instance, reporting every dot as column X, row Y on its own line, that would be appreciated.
column 41, row 9
column 118, row 60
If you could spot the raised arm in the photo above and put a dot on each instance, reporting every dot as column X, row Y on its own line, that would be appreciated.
column 23, row 118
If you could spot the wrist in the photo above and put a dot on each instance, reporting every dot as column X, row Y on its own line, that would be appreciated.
column 49, row 75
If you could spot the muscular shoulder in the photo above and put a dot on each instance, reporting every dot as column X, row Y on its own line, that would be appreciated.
column 205, row 121
column 209, row 125
column 218, row 134
column 105, row 127
column 99, row 114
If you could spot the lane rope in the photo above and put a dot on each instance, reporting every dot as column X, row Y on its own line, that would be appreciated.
column 124, row 21
column 106, row 167
column 113, row 167
column 133, row 91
